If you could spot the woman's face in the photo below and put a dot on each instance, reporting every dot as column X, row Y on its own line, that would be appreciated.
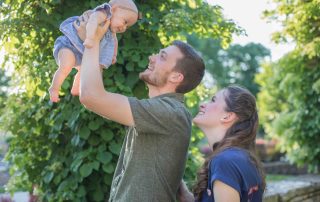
column 211, row 113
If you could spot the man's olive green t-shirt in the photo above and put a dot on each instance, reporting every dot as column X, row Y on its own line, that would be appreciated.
column 153, row 156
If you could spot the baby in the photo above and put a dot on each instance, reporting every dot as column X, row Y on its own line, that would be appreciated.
column 69, row 48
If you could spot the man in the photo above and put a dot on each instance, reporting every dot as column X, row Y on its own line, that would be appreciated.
column 153, row 156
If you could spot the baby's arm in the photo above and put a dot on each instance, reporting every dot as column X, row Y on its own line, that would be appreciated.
column 115, row 53
column 95, row 19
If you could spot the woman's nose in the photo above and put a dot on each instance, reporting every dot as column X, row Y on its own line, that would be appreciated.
column 151, row 57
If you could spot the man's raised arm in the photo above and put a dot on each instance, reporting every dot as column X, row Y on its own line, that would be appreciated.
column 92, row 93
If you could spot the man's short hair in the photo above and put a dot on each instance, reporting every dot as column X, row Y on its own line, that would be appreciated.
column 191, row 66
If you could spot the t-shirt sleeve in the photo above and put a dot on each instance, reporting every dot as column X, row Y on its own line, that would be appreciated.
column 151, row 116
column 225, row 169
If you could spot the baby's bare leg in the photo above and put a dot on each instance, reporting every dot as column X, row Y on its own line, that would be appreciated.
column 75, row 90
column 67, row 61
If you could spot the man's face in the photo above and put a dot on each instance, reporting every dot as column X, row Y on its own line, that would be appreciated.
column 160, row 66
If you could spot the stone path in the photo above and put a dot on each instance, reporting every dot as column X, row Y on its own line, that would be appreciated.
column 4, row 175
column 17, row 197
column 299, row 188
column 284, row 186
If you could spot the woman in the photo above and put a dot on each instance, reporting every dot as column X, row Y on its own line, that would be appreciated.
column 232, row 172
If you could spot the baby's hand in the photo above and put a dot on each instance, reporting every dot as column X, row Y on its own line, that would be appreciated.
column 115, row 53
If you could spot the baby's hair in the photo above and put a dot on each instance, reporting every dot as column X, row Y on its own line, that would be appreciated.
column 128, row 4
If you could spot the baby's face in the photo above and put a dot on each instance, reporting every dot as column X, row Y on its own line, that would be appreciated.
column 122, row 19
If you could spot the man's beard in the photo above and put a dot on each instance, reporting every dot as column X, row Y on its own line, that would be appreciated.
column 155, row 81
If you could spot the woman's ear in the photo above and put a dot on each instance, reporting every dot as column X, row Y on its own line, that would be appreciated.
column 229, row 117
column 176, row 77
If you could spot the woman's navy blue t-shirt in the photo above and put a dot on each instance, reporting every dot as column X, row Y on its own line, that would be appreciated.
column 234, row 168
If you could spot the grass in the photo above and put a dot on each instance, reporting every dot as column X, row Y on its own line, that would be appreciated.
column 275, row 178
column 2, row 190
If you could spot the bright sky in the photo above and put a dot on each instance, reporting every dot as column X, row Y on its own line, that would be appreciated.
column 247, row 14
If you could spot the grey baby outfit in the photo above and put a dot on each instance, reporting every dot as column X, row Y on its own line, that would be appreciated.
column 71, row 40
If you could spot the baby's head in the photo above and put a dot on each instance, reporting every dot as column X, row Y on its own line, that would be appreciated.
column 124, row 15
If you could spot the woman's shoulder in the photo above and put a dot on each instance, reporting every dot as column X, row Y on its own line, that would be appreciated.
column 232, row 154
column 236, row 158
column 233, row 159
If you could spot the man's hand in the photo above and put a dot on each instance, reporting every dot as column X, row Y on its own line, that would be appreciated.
column 101, row 30
column 184, row 195
column 96, row 27
column 81, row 23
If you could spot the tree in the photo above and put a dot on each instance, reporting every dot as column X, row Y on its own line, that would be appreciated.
column 235, row 65
column 290, row 88
column 4, row 84
column 67, row 152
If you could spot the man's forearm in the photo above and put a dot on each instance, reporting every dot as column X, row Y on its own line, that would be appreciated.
column 91, row 83
column 93, row 96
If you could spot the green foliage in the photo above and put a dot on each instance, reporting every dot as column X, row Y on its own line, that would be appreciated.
column 199, row 18
column 289, row 99
column 235, row 65
column 4, row 84
column 65, row 151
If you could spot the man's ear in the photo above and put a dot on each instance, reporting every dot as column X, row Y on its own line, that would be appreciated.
column 176, row 77
column 229, row 117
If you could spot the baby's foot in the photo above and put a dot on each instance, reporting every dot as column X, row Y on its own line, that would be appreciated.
column 75, row 90
column 54, row 95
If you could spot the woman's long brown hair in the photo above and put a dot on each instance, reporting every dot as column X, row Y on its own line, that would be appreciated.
column 241, row 134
